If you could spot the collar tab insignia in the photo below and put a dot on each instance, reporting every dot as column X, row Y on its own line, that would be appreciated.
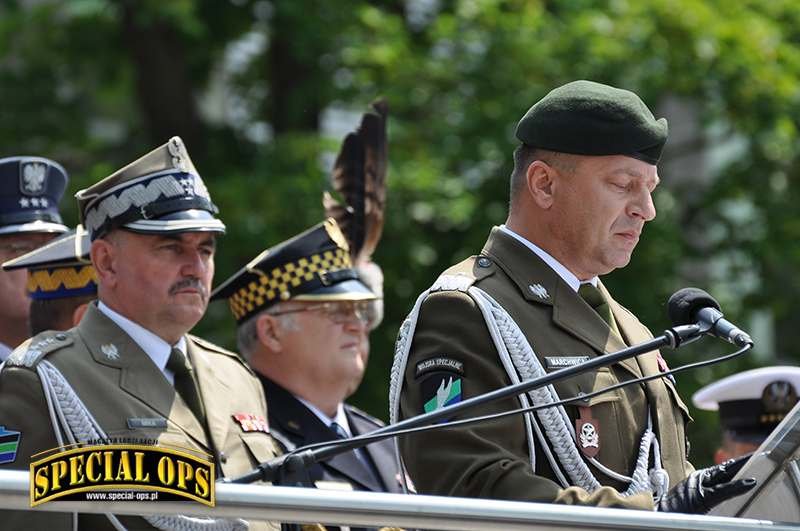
column 110, row 351
column 539, row 291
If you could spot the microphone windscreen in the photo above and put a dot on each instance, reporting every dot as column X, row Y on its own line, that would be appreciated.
column 685, row 303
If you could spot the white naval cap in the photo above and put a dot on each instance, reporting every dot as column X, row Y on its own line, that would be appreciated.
column 752, row 403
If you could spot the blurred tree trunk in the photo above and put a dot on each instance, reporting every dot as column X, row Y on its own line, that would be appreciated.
column 163, row 82
column 299, row 88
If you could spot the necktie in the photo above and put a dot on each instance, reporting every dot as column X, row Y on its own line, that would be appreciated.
column 360, row 453
column 185, row 384
column 594, row 298
column 339, row 431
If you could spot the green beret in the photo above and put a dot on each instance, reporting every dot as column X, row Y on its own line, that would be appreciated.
column 588, row 118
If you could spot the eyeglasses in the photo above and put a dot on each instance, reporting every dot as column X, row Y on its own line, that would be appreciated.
column 14, row 250
column 338, row 312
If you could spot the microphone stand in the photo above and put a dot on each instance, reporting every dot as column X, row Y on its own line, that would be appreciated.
column 291, row 467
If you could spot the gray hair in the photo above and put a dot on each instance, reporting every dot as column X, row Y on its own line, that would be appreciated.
column 247, row 332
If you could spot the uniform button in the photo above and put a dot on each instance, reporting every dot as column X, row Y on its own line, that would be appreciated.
column 61, row 337
column 223, row 458
column 484, row 262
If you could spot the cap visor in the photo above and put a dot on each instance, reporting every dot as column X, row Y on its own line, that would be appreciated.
column 349, row 290
column 35, row 226
column 158, row 226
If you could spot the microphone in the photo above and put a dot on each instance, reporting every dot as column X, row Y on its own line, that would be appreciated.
column 294, row 463
column 687, row 328
column 695, row 306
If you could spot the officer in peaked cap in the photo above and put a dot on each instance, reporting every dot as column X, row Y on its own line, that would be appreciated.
column 301, row 311
column 30, row 190
column 138, row 373
column 750, row 405
column 61, row 281
column 532, row 302
column 160, row 193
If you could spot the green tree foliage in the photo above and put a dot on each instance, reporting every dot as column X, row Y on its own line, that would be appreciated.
column 95, row 83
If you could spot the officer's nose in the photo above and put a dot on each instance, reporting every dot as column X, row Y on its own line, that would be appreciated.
column 642, row 206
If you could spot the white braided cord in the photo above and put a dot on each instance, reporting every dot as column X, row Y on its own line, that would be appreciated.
column 528, row 367
column 78, row 424
column 520, row 362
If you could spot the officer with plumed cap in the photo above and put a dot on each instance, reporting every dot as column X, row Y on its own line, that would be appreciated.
column 61, row 281
column 531, row 303
column 750, row 404
column 30, row 190
column 301, row 311
column 136, row 371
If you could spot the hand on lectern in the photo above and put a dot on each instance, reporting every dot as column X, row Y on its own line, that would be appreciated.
column 706, row 488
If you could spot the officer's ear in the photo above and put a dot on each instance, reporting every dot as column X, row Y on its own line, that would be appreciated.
column 102, row 254
column 268, row 331
column 540, row 178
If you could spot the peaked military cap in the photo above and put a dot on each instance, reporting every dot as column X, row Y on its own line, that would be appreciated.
column 61, row 268
column 751, row 403
column 161, row 192
column 588, row 118
column 312, row 266
column 30, row 190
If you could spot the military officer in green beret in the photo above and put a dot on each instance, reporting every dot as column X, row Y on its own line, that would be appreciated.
column 136, row 371
column 532, row 302
column 61, row 281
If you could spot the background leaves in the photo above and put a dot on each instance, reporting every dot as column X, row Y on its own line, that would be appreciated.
column 263, row 92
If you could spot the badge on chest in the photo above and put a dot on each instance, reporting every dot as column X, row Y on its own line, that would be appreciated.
column 587, row 430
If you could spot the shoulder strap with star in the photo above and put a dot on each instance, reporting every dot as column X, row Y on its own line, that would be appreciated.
column 32, row 351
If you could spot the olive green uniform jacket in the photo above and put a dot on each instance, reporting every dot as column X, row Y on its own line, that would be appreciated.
column 125, row 391
column 491, row 459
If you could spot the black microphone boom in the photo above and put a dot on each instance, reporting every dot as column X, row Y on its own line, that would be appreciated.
column 294, row 462
column 695, row 306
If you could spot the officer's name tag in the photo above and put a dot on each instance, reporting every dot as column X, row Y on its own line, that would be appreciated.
column 333, row 485
column 560, row 362
column 439, row 363
column 156, row 422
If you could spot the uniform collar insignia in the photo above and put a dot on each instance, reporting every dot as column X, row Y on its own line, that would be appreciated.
column 110, row 350
column 539, row 291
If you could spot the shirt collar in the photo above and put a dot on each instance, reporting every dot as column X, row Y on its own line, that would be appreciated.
column 565, row 274
column 5, row 351
column 156, row 348
column 340, row 418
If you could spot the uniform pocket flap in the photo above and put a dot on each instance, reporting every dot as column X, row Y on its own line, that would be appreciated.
column 677, row 397
column 260, row 445
column 603, row 378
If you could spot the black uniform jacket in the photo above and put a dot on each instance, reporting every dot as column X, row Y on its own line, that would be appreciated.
column 293, row 425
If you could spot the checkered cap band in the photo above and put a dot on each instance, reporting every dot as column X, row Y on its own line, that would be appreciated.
column 62, row 282
column 285, row 281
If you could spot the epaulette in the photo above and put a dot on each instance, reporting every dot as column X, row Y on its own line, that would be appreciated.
column 32, row 351
column 466, row 273
column 366, row 416
column 208, row 345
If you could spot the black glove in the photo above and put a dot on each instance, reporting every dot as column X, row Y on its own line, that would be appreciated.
column 706, row 488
